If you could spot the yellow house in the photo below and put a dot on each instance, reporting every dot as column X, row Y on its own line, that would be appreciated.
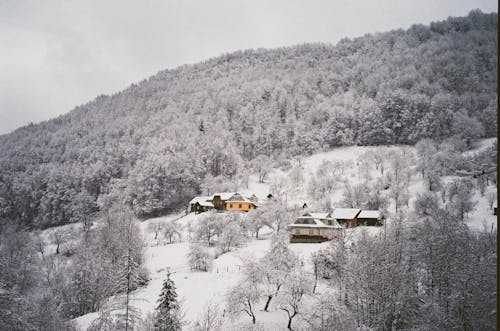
column 238, row 203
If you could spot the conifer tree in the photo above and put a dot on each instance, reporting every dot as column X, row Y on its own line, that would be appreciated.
column 168, row 311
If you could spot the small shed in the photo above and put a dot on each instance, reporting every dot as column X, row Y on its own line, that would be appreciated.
column 369, row 218
column 202, row 206
column 197, row 202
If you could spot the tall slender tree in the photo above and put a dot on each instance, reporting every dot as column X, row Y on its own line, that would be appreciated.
column 168, row 312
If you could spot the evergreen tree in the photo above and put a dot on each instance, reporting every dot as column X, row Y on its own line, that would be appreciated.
column 168, row 313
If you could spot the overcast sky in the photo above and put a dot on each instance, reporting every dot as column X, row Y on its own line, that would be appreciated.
column 55, row 55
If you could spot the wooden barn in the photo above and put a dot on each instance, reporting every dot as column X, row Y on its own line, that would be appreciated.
column 346, row 216
column 200, row 204
column 369, row 217
column 314, row 228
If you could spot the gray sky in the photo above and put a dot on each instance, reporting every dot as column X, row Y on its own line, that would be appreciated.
column 56, row 55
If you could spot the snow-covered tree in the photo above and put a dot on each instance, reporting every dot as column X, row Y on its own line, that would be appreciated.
column 491, row 197
column 230, row 237
column 426, row 204
column 171, row 231
column 291, row 296
column 262, row 165
column 199, row 258
column 243, row 298
column 168, row 314
column 460, row 192
column 276, row 266
column 210, row 319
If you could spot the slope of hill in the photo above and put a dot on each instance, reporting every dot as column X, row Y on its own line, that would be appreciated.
column 198, row 288
column 155, row 142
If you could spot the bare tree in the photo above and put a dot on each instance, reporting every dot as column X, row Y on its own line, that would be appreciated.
column 199, row 258
column 262, row 165
column 242, row 299
column 460, row 192
column 59, row 236
column 491, row 197
column 296, row 175
column 211, row 318
column 290, row 298
column 156, row 228
column 171, row 231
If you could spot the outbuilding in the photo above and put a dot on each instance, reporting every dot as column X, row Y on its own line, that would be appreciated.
column 369, row 218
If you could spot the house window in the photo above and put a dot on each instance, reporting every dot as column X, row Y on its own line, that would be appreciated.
column 240, row 206
column 230, row 205
column 297, row 231
column 311, row 232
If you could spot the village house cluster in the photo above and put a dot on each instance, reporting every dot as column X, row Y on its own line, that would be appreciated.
column 308, row 228
column 320, row 227
column 231, row 201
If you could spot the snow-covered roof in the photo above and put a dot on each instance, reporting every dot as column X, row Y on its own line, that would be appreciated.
column 316, row 224
column 244, row 200
column 345, row 213
column 224, row 195
column 319, row 215
column 206, row 203
column 369, row 214
column 200, row 199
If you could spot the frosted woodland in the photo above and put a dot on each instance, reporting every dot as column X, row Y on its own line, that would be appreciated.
column 218, row 196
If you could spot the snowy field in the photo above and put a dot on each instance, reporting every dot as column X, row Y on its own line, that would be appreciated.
column 198, row 288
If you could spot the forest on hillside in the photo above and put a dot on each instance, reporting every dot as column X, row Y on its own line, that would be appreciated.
column 152, row 145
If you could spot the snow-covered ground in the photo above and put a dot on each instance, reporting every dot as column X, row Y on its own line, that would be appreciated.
column 197, row 288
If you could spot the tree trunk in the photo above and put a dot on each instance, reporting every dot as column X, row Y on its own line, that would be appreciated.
column 290, row 318
column 315, row 281
column 268, row 301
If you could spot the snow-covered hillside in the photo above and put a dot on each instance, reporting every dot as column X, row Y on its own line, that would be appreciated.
column 198, row 288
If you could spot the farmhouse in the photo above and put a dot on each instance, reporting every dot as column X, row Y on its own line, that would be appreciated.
column 314, row 228
column 239, row 203
column 346, row 216
column 369, row 217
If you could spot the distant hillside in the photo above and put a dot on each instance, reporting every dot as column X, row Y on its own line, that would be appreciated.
column 153, row 144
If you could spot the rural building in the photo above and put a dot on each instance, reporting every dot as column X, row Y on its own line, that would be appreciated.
column 314, row 228
column 201, row 204
column 369, row 217
column 219, row 199
column 346, row 216
column 223, row 201
column 239, row 203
